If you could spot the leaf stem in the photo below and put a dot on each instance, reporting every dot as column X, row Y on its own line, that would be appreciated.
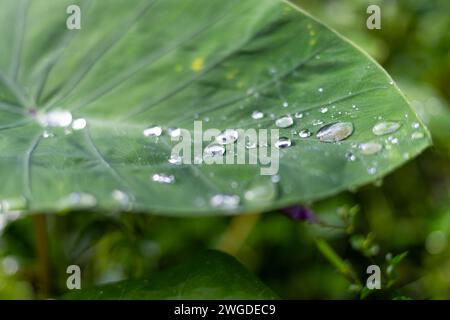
column 43, row 256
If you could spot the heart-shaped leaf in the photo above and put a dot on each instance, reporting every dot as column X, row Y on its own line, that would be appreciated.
column 85, row 114
column 211, row 275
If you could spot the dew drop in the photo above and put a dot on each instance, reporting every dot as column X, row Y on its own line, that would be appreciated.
column 121, row 197
column 80, row 199
column 225, row 201
column 284, row 122
column 46, row 134
column 56, row 118
column 372, row 170
column 256, row 115
column 228, row 136
column 298, row 115
column 153, row 131
column 79, row 124
column 285, row 104
column 350, row 156
column 175, row 159
column 214, row 150
column 260, row 190
column 283, row 143
column 383, row 128
column 415, row 125
column 317, row 122
column 370, row 148
column 174, row 132
column 324, row 110
column 417, row 135
column 304, row 133
column 250, row 145
column 335, row 132
column 392, row 139
column 163, row 178
column 275, row 178
column 320, row 89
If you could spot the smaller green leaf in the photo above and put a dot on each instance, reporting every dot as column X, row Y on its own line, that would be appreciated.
column 210, row 275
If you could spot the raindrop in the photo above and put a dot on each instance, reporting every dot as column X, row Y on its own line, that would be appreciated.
column 320, row 89
column 79, row 199
column 175, row 159
column 56, row 118
column 317, row 122
column 275, row 178
column 392, row 139
column 285, row 104
column 284, row 122
column 298, row 115
column 174, row 132
column 335, row 132
column 372, row 170
column 214, row 150
column 324, row 110
column 256, row 115
column 350, row 156
column 260, row 190
column 153, row 131
column 250, row 145
column 383, row 128
column 46, row 134
column 163, row 178
column 228, row 136
column 370, row 148
column 283, row 143
column 304, row 133
column 417, row 135
column 79, row 124
column 121, row 197
column 415, row 125
column 225, row 201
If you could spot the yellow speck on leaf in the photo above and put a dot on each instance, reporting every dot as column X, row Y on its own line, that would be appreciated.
column 197, row 64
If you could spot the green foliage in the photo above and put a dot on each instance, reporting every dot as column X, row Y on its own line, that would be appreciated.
column 407, row 211
column 141, row 63
column 211, row 275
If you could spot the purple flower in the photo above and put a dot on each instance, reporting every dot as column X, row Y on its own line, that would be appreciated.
column 299, row 212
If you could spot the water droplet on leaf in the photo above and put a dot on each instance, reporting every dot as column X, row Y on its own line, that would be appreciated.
column 225, row 201
column 284, row 122
column 262, row 189
column 256, row 115
column 153, row 131
column 228, row 136
column 163, row 178
column 283, row 143
column 304, row 133
column 370, row 148
column 79, row 124
column 386, row 127
column 335, row 132
column 214, row 150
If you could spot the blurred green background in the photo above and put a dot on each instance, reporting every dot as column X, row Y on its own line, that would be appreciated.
column 401, row 223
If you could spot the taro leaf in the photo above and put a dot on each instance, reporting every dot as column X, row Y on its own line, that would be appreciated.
column 211, row 275
column 138, row 63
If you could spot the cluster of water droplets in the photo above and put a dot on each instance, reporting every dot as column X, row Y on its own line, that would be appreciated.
column 57, row 118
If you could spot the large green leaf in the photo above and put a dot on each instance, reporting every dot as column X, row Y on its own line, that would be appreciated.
column 211, row 275
column 140, row 63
